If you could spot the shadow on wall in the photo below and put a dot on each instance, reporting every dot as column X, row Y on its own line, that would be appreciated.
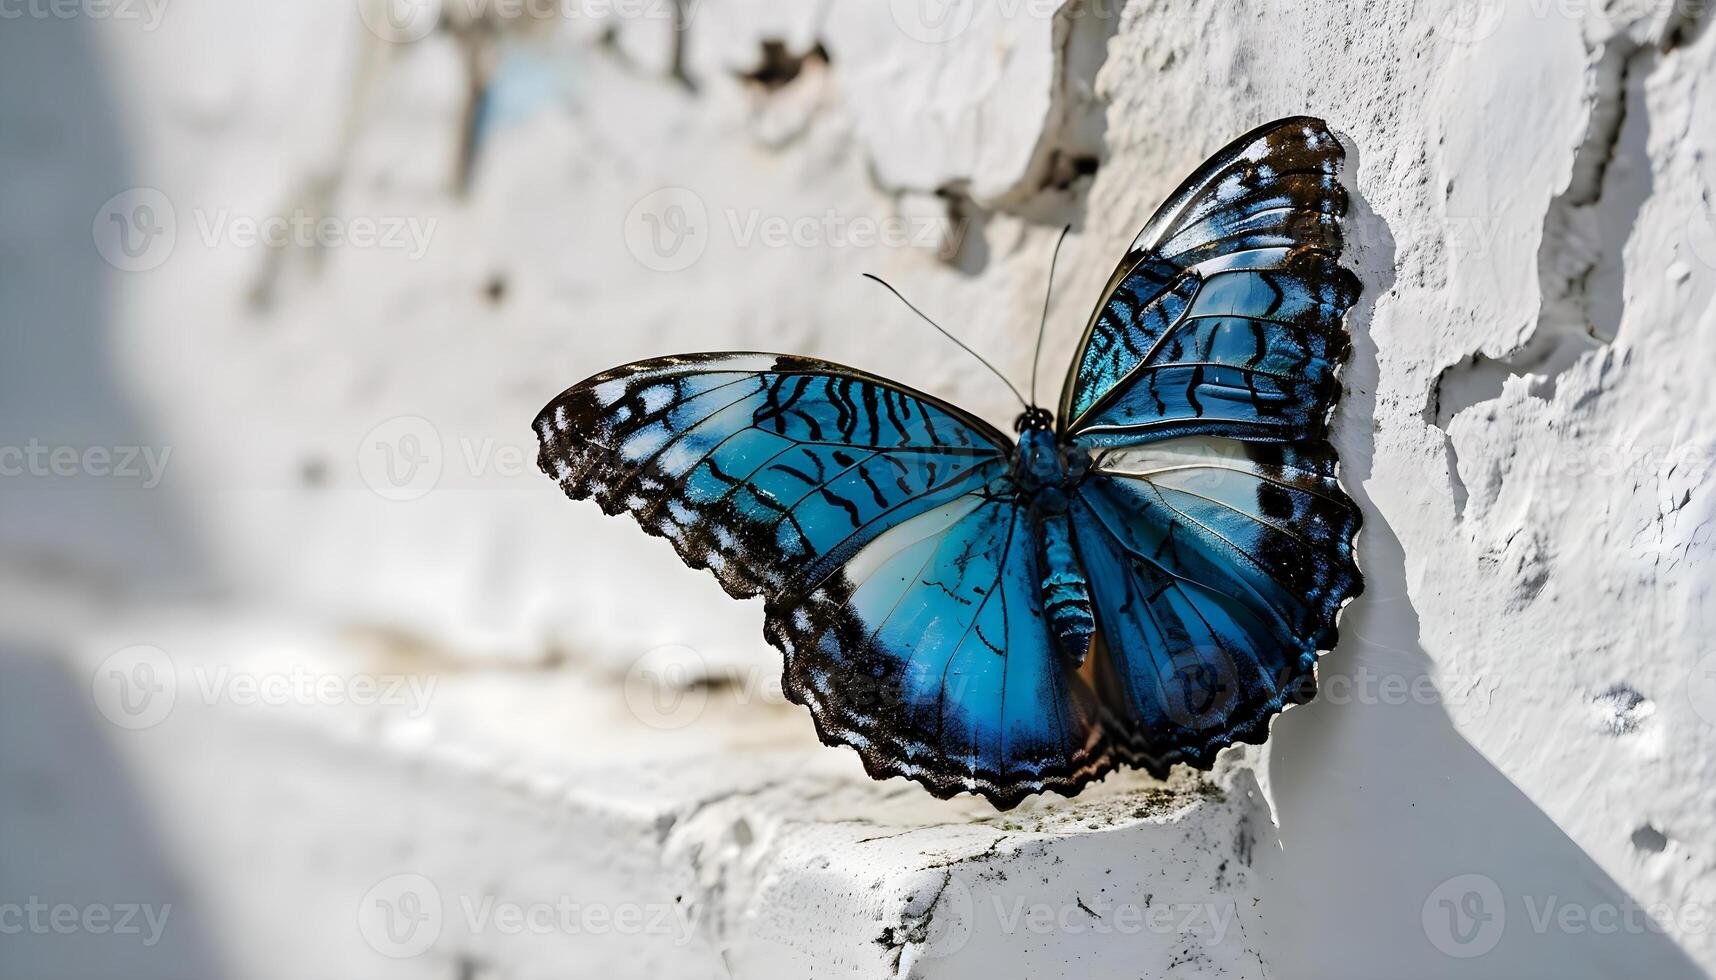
column 74, row 833
column 1399, row 845
column 59, row 388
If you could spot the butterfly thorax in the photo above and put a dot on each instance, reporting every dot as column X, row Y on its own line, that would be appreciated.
column 1045, row 470
column 1046, row 473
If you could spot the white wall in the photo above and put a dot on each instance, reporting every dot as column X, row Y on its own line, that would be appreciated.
column 1524, row 692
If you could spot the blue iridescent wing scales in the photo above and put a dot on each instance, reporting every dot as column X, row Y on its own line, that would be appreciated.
column 901, row 556
column 1235, row 273
column 1217, row 567
column 899, row 569
column 939, row 622
column 1212, row 525
column 767, row 470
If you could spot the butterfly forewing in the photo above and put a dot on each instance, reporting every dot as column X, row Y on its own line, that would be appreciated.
column 1251, row 214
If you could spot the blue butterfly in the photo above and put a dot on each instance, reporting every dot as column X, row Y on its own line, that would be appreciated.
column 1144, row 583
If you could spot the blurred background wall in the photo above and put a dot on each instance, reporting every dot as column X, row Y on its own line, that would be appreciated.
column 283, row 285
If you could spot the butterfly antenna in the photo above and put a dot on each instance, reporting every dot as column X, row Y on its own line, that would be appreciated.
column 951, row 337
column 1043, row 325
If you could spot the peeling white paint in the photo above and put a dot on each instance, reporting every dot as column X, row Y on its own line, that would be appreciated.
column 1523, row 694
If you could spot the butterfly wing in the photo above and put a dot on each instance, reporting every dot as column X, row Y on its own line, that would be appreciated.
column 1218, row 541
column 1225, row 314
column 899, row 575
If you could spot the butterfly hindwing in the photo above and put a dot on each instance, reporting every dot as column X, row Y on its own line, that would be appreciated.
column 1216, row 537
column 931, row 655
column 1217, row 568
column 899, row 572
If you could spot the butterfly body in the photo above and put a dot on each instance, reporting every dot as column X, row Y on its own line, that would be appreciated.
column 1046, row 474
column 1143, row 581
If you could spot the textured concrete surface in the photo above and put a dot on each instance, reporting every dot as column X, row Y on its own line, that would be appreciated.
column 1511, row 770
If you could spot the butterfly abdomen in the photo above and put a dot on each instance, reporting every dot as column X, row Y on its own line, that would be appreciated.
column 1066, row 593
column 1042, row 476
